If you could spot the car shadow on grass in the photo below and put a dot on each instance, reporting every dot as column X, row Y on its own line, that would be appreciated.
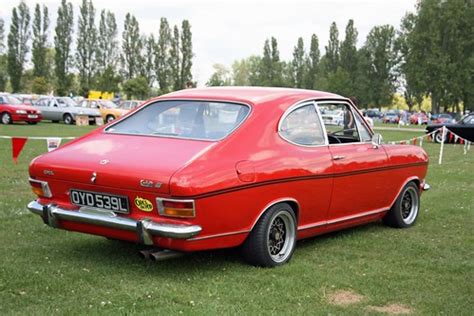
column 112, row 252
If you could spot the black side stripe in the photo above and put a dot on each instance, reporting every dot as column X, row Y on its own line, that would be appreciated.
column 301, row 178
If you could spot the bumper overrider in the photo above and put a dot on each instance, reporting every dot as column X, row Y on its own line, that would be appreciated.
column 145, row 229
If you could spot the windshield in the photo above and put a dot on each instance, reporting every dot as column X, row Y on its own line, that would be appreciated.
column 13, row 101
column 184, row 119
column 66, row 101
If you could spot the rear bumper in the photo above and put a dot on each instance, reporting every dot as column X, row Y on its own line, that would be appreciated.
column 145, row 229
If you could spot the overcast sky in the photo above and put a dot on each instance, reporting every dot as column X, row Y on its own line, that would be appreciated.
column 224, row 31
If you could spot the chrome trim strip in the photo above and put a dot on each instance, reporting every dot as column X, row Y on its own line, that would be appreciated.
column 355, row 216
column 221, row 235
column 281, row 200
column 144, row 228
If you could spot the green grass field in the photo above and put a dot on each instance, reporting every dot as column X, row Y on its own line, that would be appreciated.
column 428, row 269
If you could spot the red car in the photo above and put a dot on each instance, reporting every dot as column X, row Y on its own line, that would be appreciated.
column 416, row 118
column 13, row 110
column 223, row 167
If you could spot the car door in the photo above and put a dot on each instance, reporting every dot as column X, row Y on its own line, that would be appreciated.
column 359, row 181
column 43, row 106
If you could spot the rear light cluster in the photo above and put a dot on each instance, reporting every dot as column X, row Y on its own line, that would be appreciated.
column 40, row 188
column 176, row 208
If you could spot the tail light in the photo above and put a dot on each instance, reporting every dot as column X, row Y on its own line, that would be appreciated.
column 176, row 208
column 40, row 188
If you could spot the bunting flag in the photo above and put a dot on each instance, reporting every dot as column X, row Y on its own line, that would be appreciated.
column 53, row 143
column 17, row 145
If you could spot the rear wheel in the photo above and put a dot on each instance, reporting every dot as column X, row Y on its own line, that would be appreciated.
column 404, row 212
column 68, row 119
column 32, row 123
column 109, row 118
column 439, row 137
column 6, row 118
column 273, row 239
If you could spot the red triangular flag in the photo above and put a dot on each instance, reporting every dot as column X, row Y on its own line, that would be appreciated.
column 17, row 146
column 451, row 136
column 461, row 141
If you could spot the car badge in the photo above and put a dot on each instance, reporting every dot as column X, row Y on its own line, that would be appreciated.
column 150, row 184
column 143, row 204
column 104, row 161
column 94, row 177
column 48, row 172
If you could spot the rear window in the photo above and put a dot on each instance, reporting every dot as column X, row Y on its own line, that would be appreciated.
column 184, row 119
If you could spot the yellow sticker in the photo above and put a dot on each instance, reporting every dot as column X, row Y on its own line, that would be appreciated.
column 143, row 204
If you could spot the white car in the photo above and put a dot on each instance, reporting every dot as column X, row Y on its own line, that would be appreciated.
column 333, row 117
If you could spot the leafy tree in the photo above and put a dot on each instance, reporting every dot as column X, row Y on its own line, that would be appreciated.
column 312, row 64
column 254, row 70
column 3, row 58
column 277, row 67
column 62, row 47
column 136, row 88
column 186, row 54
column 131, row 47
column 270, row 66
column 298, row 64
column 162, row 52
column 241, row 72
column 220, row 77
column 382, row 55
column 18, row 44
column 39, row 85
column 148, row 59
column 348, row 58
column 107, row 47
column 175, row 60
column 40, row 42
column 86, row 41
column 332, row 50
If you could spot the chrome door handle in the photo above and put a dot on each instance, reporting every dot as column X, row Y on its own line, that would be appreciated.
column 338, row 157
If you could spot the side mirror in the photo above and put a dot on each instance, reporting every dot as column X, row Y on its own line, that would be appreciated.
column 376, row 140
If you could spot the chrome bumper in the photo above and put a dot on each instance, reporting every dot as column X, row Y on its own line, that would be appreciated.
column 144, row 228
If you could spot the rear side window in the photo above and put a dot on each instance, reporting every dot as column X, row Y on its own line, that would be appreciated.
column 303, row 127
column 184, row 119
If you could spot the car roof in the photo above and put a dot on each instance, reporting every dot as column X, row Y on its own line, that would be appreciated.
column 253, row 95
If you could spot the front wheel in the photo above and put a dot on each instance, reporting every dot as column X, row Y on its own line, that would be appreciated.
column 109, row 118
column 32, row 123
column 404, row 212
column 439, row 137
column 273, row 239
column 6, row 118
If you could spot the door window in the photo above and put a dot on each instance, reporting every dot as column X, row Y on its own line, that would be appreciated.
column 340, row 123
column 303, row 127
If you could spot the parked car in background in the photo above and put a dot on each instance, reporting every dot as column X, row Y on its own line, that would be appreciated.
column 373, row 113
column 463, row 128
column 64, row 109
column 109, row 110
column 391, row 117
column 223, row 167
column 333, row 117
column 13, row 110
column 419, row 118
column 442, row 118
column 129, row 104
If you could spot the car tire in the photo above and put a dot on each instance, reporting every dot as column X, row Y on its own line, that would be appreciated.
column 404, row 212
column 272, row 241
column 109, row 118
column 68, row 119
column 6, row 118
column 54, row 121
column 32, row 123
column 438, row 137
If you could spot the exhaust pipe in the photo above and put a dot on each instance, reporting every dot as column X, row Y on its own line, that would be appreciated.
column 159, row 254
column 164, row 254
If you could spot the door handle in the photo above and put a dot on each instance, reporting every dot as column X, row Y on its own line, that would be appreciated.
column 338, row 157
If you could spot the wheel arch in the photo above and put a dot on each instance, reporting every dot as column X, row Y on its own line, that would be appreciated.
column 294, row 204
column 414, row 179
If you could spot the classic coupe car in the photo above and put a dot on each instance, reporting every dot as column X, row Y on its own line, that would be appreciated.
column 64, row 109
column 13, row 110
column 107, row 109
column 224, row 167
column 463, row 128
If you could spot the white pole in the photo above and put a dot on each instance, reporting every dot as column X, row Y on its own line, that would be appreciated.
column 443, row 133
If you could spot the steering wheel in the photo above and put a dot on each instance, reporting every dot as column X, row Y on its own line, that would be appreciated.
column 335, row 138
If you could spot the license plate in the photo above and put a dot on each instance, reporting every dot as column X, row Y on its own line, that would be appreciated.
column 103, row 201
column 32, row 116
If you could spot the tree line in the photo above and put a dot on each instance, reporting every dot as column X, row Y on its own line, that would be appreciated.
column 430, row 55
column 97, row 60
